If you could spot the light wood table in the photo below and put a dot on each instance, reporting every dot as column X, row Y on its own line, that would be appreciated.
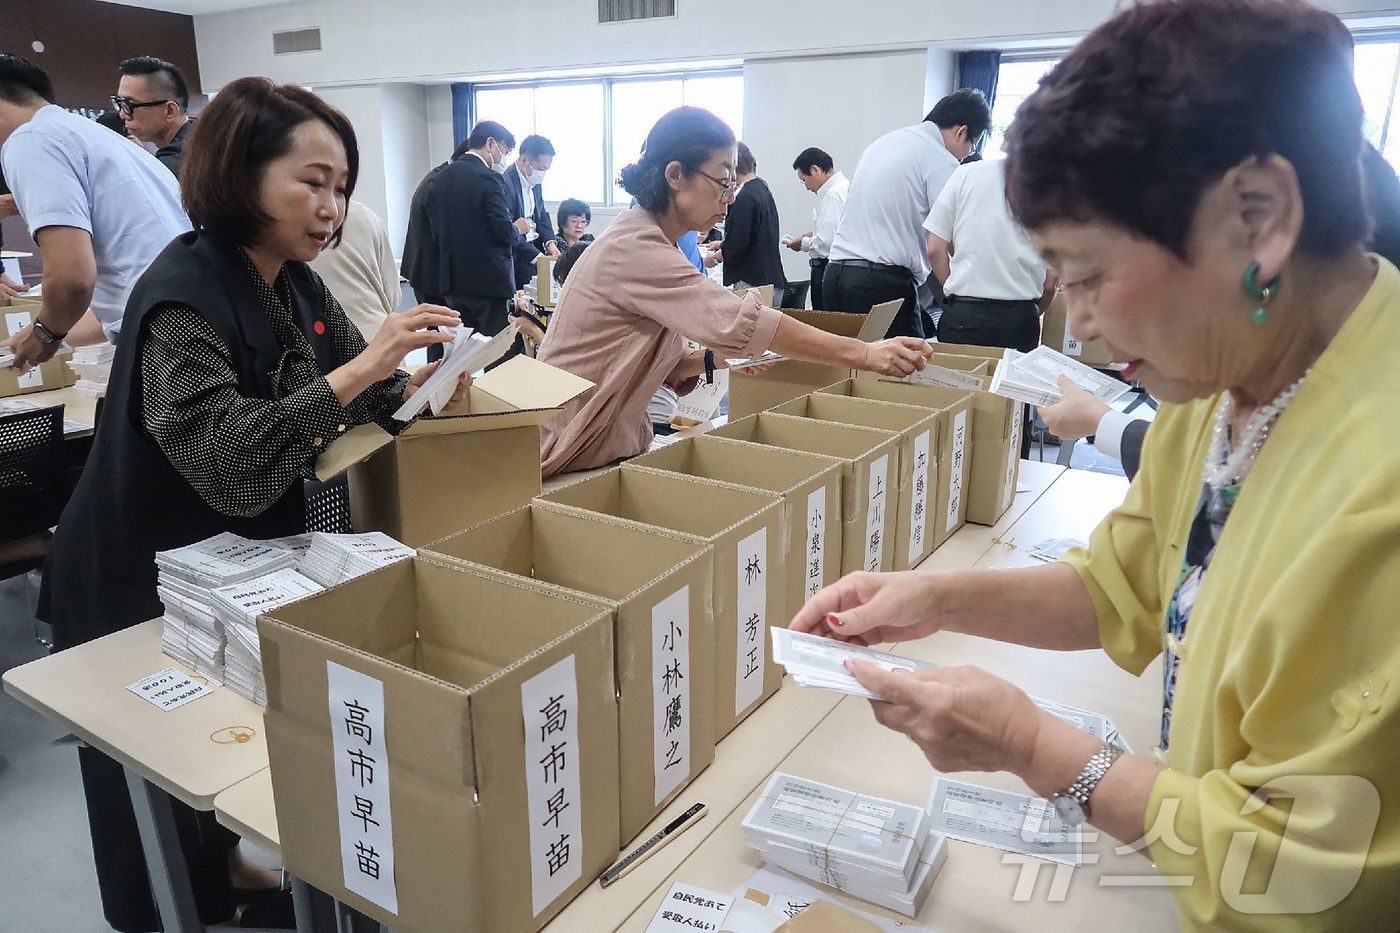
column 971, row 542
column 189, row 754
column 976, row 889
column 78, row 407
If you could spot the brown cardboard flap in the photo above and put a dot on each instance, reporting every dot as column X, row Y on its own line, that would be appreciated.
column 833, row 322
column 525, row 383
column 359, row 443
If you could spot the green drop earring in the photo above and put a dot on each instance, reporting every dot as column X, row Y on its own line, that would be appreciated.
column 1262, row 294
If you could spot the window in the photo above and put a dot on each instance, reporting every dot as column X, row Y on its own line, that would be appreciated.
column 1377, row 67
column 1016, row 79
column 598, row 126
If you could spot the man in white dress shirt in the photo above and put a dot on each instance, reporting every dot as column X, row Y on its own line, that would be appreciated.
column 993, row 280
column 817, row 172
column 880, row 252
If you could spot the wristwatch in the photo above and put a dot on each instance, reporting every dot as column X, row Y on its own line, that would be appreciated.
column 46, row 335
column 1072, row 803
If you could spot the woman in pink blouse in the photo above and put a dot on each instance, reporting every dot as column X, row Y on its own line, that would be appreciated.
column 633, row 298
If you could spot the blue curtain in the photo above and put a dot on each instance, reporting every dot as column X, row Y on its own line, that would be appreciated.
column 979, row 70
column 461, row 112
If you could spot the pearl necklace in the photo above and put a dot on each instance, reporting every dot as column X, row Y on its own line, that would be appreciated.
column 1225, row 464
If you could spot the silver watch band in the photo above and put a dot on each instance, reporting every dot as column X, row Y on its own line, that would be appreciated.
column 1089, row 778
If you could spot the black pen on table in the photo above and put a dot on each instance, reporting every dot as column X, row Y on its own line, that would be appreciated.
column 640, row 854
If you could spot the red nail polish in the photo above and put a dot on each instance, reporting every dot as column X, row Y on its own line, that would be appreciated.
column 832, row 620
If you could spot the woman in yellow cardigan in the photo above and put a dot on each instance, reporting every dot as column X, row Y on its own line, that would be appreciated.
column 1191, row 172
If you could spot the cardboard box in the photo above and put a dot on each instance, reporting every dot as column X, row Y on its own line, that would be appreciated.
column 629, row 570
column 445, row 683
column 953, row 410
column 810, row 485
column 994, row 465
column 764, row 293
column 865, row 534
column 784, row 381
column 1055, row 334
column 745, row 527
column 475, row 461
column 916, row 478
column 51, row 374
column 546, row 289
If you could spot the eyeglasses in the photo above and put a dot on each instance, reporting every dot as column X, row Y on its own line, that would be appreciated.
column 728, row 187
column 126, row 106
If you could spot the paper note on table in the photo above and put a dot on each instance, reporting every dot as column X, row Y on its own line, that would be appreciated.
column 169, row 689
column 686, row 908
column 814, row 661
column 1052, row 549
column 1003, row 820
column 467, row 353
column 703, row 403
column 787, row 896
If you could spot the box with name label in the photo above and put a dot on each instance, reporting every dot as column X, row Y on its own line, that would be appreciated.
column 810, row 485
column 751, row 393
column 649, row 579
column 951, row 444
column 745, row 527
column 443, row 745
column 914, row 481
column 868, row 461
column 998, row 426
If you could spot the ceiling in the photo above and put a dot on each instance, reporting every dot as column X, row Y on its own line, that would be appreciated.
column 196, row 6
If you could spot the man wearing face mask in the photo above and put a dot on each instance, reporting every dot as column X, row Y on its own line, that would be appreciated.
column 476, row 235
column 523, row 180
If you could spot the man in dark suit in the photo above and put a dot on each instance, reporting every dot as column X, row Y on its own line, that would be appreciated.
column 477, row 238
column 526, row 199
column 421, row 251
column 751, row 238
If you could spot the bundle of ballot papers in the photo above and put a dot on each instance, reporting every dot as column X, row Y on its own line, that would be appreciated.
column 1034, row 377
column 875, row 849
column 93, row 366
column 185, row 580
column 333, row 559
column 814, row 661
column 469, row 352
column 237, row 607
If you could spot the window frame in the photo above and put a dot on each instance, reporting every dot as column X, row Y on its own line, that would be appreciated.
column 608, row 82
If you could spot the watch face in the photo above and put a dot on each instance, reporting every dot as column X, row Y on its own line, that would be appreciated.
column 1069, row 810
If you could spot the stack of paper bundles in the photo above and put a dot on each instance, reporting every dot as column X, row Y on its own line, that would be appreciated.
column 1033, row 377
column 185, row 579
column 332, row 559
column 875, row 849
column 93, row 366
column 814, row 661
column 237, row 608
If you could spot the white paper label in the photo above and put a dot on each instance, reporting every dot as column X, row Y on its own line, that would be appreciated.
column 918, row 505
column 875, row 513
column 816, row 542
column 955, row 480
column 1018, row 415
column 169, row 689
column 32, row 379
column 362, row 784
column 752, row 620
column 549, row 706
column 1071, row 346
column 703, row 403
column 670, row 691
column 16, row 321
column 687, row 908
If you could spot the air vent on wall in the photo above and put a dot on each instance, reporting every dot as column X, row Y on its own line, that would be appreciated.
column 622, row 11
column 296, row 40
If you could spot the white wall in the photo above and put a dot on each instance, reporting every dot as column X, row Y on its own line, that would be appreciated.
column 407, row 155
column 361, row 104
column 836, row 103
column 440, row 137
column 369, row 40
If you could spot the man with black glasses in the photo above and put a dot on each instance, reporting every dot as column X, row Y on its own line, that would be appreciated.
column 152, row 99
